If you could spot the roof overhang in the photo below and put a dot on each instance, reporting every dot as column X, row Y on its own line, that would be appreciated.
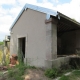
column 67, row 18
column 48, row 13
column 66, row 24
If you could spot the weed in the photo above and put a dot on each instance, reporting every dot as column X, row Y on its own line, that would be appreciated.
column 17, row 72
column 51, row 73
column 76, row 73
column 17, row 77
column 64, row 78
column 31, row 67
column 10, row 73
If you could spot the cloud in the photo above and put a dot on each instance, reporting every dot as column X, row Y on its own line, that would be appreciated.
column 8, row 15
column 46, row 4
column 23, row 2
column 8, row 2
column 71, row 9
column 2, row 35
column 14, row 11
column 55, row 1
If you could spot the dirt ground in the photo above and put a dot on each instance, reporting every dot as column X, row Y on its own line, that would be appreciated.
column 35, row 74
column 30, row 74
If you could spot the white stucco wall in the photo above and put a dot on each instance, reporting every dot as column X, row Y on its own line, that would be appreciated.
column 31, row 25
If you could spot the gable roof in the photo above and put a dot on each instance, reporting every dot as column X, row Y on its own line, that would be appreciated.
column 43, row 10
column 37, row 8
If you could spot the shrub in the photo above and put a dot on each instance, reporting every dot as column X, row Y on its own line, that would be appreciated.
column 51, row 73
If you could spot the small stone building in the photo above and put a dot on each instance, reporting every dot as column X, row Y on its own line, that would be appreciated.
column 41, row 35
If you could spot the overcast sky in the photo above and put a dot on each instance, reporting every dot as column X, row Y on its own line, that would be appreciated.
column 9, row 9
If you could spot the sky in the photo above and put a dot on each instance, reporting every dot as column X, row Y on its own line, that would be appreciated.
column 9, row 9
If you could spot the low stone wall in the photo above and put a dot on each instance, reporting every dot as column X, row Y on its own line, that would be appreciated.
column 56, row 63
column 60, row 61
column 73, row 61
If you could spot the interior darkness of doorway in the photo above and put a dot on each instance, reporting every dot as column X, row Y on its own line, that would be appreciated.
column 22, row 45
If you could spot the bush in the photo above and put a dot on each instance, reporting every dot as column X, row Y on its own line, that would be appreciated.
column 51, row 73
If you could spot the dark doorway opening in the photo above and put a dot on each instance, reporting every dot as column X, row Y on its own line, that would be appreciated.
column 21, row 47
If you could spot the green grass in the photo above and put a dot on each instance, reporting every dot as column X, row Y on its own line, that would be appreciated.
column 16, row 73
column 1, row 43
column 51, row 73
column 64, row 78
column 75, row 75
